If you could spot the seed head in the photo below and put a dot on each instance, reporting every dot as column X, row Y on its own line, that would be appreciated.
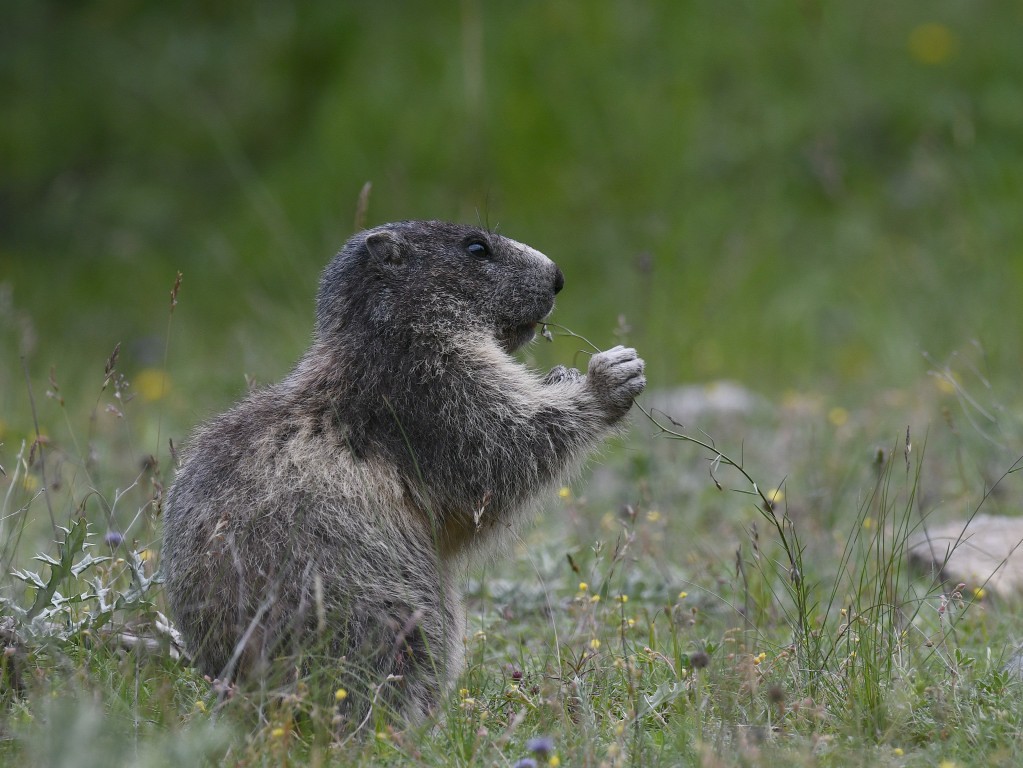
column 699, row 660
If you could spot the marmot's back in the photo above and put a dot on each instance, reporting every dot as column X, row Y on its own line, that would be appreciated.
column 322, row 514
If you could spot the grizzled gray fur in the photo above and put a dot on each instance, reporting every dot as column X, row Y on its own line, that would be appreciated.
column 324, row 520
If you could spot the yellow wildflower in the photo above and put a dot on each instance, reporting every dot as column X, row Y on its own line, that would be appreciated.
column 340, row 694
column 838, row 416
column 932, row 43
column 151, row 384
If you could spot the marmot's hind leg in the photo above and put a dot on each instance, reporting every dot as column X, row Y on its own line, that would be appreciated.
column 391, row 665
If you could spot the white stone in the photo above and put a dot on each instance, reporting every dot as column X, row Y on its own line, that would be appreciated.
column 985, row 552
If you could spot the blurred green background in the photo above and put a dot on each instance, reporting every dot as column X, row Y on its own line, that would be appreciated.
column 796, row 195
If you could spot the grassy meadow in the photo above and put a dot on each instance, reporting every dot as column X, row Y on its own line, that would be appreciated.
column 819, row 202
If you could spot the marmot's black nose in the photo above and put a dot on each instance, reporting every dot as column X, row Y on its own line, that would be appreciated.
column 559, row 280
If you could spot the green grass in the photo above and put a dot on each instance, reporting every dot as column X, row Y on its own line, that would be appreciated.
column 650, row 619
column 817, row 200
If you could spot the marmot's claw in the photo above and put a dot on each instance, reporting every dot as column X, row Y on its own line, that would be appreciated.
column 616, row 377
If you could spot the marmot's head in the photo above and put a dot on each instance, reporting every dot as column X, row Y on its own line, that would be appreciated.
column 437, row 278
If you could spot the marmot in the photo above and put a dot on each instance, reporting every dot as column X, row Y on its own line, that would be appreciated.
column 327, row 516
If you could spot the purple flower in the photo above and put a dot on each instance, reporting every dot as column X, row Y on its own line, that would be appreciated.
column 526, row 762
column 541, row 745
column 113, row 539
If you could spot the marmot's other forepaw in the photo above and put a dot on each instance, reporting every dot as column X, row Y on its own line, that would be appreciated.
column 560, row 373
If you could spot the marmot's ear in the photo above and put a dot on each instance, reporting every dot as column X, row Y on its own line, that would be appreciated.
column 385, row 247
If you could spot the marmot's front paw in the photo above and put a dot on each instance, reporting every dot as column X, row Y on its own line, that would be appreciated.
column 616, row 377
column 560, row 373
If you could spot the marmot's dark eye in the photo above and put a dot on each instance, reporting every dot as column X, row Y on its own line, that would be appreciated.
column 477, row 249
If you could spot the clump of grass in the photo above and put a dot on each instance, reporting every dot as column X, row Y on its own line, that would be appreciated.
column 844, row 643
column 92, row 667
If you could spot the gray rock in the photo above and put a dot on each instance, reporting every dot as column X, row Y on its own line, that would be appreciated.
column 699, row 401
column 983, row 552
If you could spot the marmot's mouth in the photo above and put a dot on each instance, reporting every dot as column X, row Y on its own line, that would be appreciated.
column 524, row 333
column 518, row 335
column 529, row 329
